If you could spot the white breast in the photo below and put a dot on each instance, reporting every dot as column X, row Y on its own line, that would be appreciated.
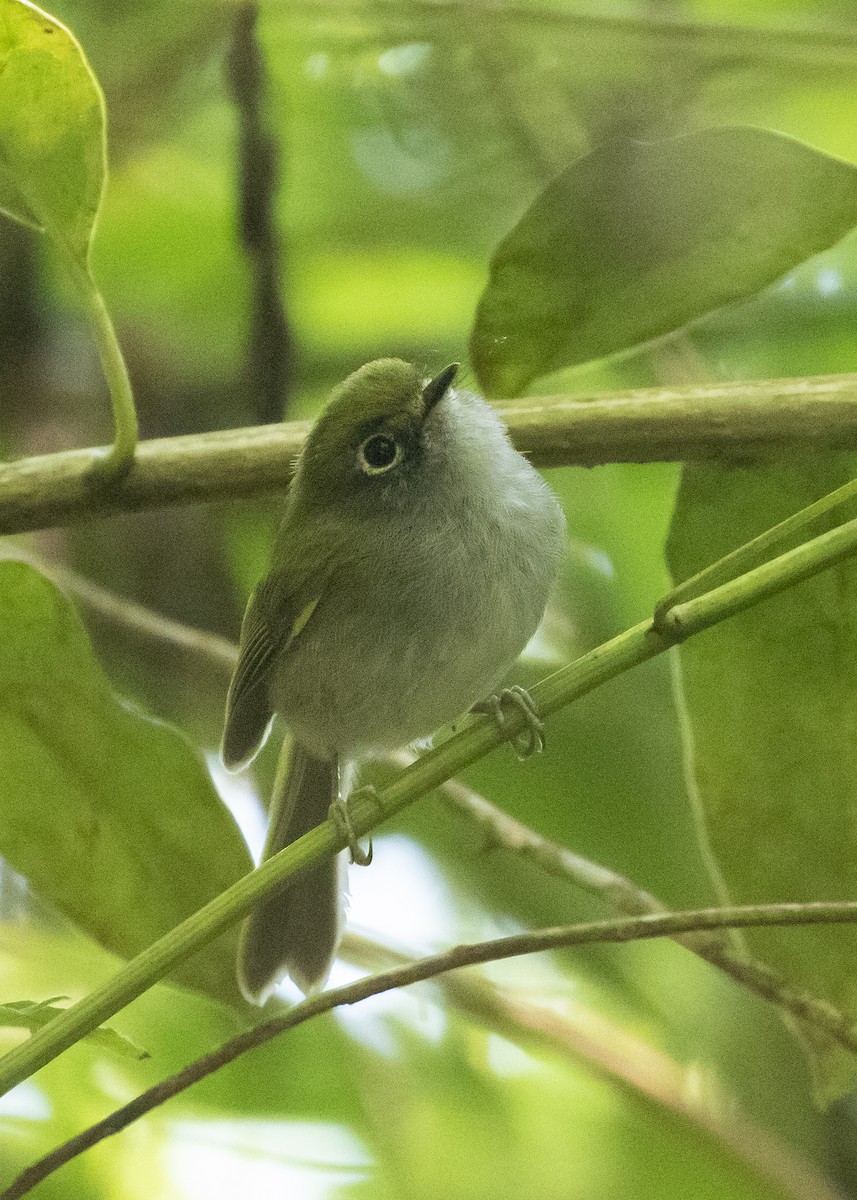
column 439, row 604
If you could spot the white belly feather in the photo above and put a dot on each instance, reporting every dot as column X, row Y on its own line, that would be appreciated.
column 428, row 621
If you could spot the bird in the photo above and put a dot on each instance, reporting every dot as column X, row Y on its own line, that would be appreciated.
column 415, row 558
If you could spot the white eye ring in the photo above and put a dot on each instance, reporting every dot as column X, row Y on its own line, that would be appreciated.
column 383, row 444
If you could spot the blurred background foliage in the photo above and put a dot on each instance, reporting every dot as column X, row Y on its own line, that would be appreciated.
column 411, row 138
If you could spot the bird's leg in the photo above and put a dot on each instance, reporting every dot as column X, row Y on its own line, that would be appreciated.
column 527, row 741
column 341, row 818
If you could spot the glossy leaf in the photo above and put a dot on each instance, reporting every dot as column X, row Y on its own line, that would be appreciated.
column 110, row 815
column 770, row 699
column 636, row 239
column 52, row 128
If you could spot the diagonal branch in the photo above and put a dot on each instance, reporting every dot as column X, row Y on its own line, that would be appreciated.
column 626, row 897
column 642, row 1072
column 368, row 808
column 130, row 614
column 623, row 929
column 619, row 893
column 731, row 421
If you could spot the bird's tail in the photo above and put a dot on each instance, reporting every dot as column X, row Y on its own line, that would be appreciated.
column 295, row 931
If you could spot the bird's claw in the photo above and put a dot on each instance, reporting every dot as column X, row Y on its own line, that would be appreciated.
column 527, row 741
column 341, row 818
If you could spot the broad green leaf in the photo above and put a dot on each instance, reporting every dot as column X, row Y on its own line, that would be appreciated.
column 110, row 815
column 33, row 1014
column 52, row 128
column 637, row 238
column 770, row 698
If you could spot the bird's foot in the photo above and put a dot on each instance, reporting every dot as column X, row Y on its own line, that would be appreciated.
column 341, row 818
column 527, row 741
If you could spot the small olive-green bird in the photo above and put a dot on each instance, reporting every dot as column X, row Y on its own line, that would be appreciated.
column 413, row 564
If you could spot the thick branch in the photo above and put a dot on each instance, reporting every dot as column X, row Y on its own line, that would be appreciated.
column 732, row 421
column 623, row 929
column 58, row 489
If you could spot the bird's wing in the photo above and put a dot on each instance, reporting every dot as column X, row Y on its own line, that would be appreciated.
column 273, row 619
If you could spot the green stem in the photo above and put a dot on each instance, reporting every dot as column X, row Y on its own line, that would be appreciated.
column 753, row 552
column 368, row 809
column 763, row 581
column 120, row 457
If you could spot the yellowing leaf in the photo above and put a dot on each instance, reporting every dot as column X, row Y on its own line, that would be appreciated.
column 52, row 128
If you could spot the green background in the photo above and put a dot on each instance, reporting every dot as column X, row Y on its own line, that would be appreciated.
column 413, row 137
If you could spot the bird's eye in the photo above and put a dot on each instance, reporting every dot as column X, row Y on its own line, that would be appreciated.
column 379, row 453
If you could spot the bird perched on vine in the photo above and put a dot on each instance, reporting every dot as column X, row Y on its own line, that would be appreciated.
column 414, row 561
